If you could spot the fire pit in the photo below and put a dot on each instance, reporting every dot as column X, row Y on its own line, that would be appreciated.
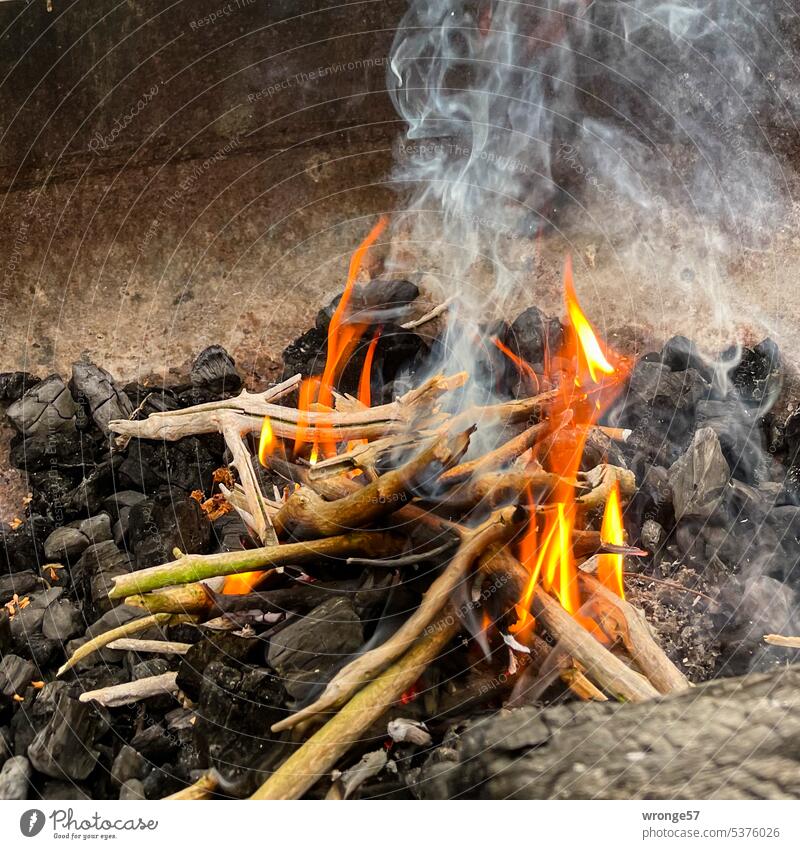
column 468, row 542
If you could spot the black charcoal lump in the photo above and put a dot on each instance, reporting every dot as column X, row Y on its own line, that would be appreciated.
column 15, row 779
column 45, row 409
column 65, row 544
column 15, row 674
column 96, row 389
column 699, row 477
column 65, row 747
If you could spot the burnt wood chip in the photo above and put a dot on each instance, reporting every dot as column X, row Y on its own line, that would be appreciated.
column 15, row 779
column 213, row 376
column 96, row 389
column 532, row 335
column 65, row 747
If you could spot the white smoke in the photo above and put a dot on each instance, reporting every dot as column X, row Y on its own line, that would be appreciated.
column 639, row 120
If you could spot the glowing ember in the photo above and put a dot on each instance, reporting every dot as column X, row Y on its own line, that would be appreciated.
column 241, row 584
column 609, row 567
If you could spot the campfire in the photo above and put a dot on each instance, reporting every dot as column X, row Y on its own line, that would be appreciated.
column 458, row 542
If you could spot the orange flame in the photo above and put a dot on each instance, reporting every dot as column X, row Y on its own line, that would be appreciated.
column 241, row 584
column 523, row 367
column 365, row 381
column 266, row 443
column 591, row 352
column 609, row 567
column 589, row 375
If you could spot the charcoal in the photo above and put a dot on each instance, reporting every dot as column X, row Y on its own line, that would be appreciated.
column 758, row 376
column 15, row 674
column 15, row 779
column 87, row 497
column 6, row 745
column 132, row 789
column 213, row 376
column 119, row 501
column 230, row 532
column 128, row 764
column 65, row 544
column 164, row 522
column 6, row 641
column 226, row 647
column 26, row 724
column 14, row 384
column 64, row 791
column 699, row 478
column 741, row 436
column 22, row 548
column 188, row 464
column 69, row 451
column 306, row 355
column 62, row 621
column 96, row 390
column 378, row 302
column 20, row 583
column 659, row 406
column 45, row 409
column 651, row 535
column 680, row 354
column 308, row 651
column 50, row 491
column 64, row 748
column 40, row 649
column 234, row 713
column 96, row 528
column 93, row 574
column 161, row 781
column 25, row 624
column 533, row 335
column 151, row 399
column 155, row 743
column 44, row 598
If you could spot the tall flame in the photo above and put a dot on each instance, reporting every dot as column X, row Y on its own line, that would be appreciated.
column 266, row 443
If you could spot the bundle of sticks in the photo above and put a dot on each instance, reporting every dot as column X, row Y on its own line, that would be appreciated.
column 398, row 490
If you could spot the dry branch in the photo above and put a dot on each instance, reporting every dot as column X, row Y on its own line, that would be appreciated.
column 149, row 646
column 203, row 788
column 321, row 752
column 364, row 668
column 187, row 598
column 133, row 691
column 134, row 626
column 306, row 515
column 784, row 642
column 620, row 618
column 198, row 567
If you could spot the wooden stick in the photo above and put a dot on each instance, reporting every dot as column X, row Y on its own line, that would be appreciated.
column 365, row 667
column 321, row 752
column 102, row 640
column 149, row 646
column 429, row 316
column 198, row 567
column 600, row 664
column 784, row 642
column 133, row 691
column 203, row 788
column 250, row 411
column 306, row 515
column 186, row 598
column 620, row 618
